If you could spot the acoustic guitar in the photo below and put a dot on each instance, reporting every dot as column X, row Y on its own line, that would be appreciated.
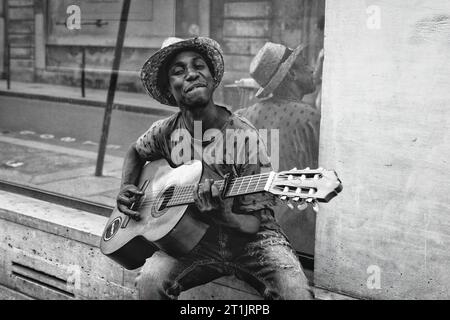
column 166, row 222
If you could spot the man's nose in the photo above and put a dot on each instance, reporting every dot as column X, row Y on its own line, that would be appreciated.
column 192, row 74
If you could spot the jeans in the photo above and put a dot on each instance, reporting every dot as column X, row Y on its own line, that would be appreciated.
column 264, row 260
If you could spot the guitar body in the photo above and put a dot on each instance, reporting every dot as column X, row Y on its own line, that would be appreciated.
column 172, row 230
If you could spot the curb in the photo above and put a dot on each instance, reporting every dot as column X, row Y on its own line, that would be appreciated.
column 159, row 111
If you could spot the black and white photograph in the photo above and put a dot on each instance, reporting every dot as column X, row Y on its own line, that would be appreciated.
column 240, row 151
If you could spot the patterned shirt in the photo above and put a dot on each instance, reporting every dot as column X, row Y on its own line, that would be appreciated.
column 235, row 149
column 298, row 126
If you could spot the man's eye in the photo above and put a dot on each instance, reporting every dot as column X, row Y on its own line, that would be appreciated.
column 177, row 71
column 199, row 66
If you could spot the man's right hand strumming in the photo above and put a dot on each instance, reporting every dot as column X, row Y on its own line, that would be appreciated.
column 128, row 195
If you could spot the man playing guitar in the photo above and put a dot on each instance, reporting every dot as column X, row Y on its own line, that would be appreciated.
column 244, row 238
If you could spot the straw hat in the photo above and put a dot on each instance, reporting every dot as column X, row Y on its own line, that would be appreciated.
column 270, row 66
column 152, row 72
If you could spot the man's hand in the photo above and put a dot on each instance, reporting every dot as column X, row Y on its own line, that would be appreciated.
column 207, row 197
column 128, row 195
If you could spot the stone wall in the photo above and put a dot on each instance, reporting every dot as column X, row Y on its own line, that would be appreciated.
column 385, row 129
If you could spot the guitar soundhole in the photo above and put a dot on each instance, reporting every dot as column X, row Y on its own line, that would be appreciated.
column 112, row 229
column 165, row 199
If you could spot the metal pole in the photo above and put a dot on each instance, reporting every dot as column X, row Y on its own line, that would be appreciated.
column 83, row 71
column 7, row 46
column 112, row 87
column 8, row 65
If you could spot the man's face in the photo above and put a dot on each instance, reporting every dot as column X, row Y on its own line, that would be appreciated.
column 190, row 80
column 303, row 75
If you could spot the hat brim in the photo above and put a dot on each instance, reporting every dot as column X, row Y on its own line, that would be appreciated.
column 150, row 72
column 281, row 73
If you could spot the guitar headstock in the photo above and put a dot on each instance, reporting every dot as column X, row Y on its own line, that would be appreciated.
column 308, row 185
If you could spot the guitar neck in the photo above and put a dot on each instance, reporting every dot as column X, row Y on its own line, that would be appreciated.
column 183, row 195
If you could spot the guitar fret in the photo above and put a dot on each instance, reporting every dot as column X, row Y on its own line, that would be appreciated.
column 257, row 184
column 233, row 184
column 248, row 185
column 240, row 185
column 252, row 183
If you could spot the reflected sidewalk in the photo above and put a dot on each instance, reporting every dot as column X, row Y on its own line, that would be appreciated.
column 59, row 169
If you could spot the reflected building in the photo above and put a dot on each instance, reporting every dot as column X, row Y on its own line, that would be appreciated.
column 44, row 49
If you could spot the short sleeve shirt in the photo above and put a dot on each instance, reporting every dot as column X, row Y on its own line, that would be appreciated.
column 235, row 149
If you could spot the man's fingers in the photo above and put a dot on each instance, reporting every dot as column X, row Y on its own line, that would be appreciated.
column 206, row 190
column 216, row 197
column 132, row 192
column 197, row 198
column 215, row 193
column 195, row 193
column 138, row 192
column 207, row 196
column 124, row 200
column 132, row 214
column 131, row 189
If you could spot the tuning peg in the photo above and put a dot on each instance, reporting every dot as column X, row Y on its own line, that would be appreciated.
column 291, row 206
column 294, row 169
column 283, row 198
column 303, row 177
column 315, row 206
column 296, row 199
column 302, row 206
column 290, row 177
column 316, row 176
column 309, row 200
column 311, row 192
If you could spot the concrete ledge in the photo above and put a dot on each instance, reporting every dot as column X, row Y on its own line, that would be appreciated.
column 9, row 294
column 55, row 219
column 49, row 251
column 323, row 294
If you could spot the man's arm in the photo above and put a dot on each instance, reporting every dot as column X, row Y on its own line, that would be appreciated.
column 132, row 167
column 129, row 191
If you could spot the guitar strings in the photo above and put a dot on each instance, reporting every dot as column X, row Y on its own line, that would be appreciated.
column 188, row 196
column 234, row 180
column 185, row 193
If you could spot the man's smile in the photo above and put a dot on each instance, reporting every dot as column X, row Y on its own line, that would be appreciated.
column 195, row 86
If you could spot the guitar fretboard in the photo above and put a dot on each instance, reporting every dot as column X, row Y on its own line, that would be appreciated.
column 183, row 195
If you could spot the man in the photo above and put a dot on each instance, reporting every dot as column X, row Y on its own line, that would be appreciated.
column 243, row 238
column 285, row 78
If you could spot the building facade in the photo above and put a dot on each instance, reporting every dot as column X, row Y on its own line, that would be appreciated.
column 43, row 48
